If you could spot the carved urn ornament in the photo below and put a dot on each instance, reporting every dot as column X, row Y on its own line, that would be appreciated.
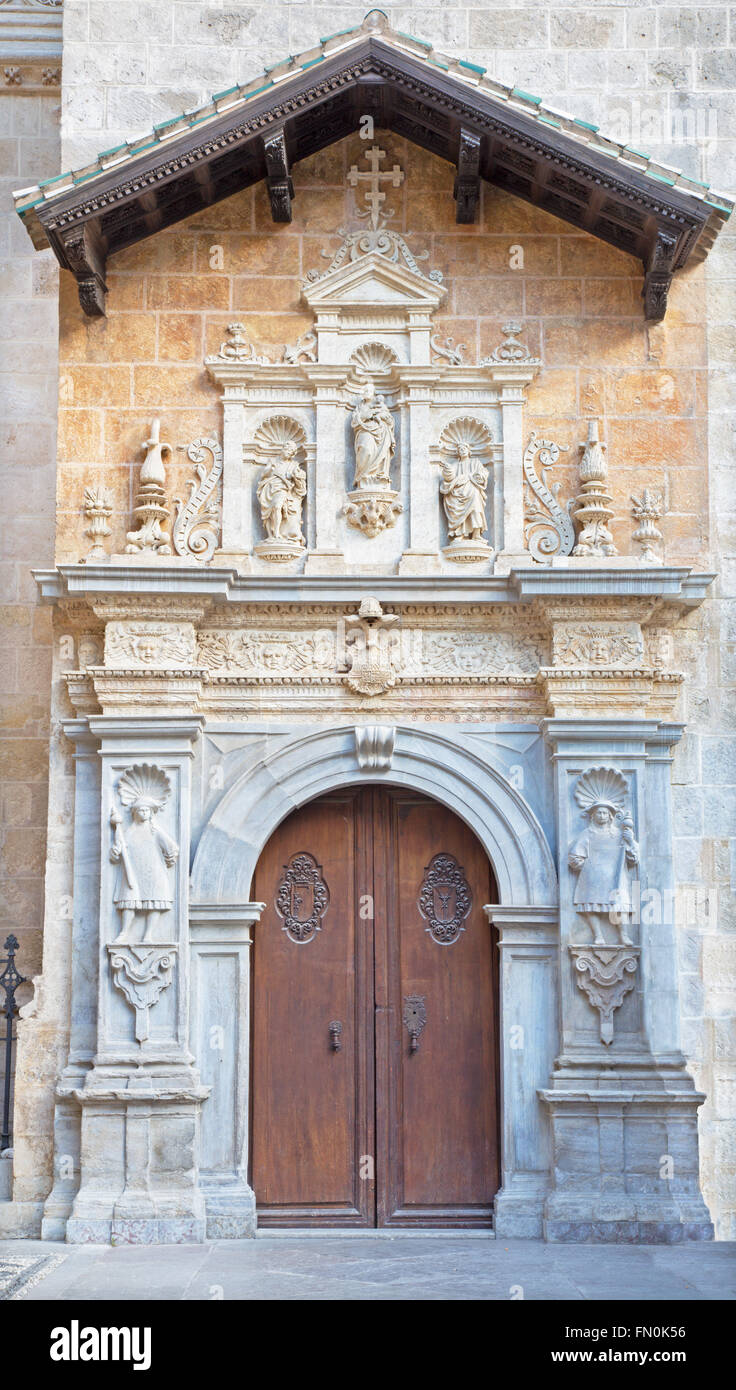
column 150, row 508
column 97, row 512
column 373, row 504
column 592, row 507
column 647, row 511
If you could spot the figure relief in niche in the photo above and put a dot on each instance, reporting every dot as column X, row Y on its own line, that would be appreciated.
column 144, row 852
column 281, row 490
column 373, row 504
column 603, row 855
column 464, row 490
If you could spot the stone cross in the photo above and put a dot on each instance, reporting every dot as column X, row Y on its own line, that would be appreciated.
column 374, row 196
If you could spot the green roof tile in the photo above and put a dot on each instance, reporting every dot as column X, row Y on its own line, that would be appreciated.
column 526, row 96
column 472, row 66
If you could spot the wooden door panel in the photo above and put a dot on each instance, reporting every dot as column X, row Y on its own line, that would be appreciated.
column 441, row 1120
column 311, row 1104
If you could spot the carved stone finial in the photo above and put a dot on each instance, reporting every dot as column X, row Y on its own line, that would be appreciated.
column 151, row 509
column 371, row 648
column 548, row 530
column 237, row 347
column 97, row 511
column 647, row 510
column 592, row 507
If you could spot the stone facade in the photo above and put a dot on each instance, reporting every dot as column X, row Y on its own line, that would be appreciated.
column 662, row 396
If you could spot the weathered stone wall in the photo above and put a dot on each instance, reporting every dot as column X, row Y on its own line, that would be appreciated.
column 661, row 77
column 29, row 151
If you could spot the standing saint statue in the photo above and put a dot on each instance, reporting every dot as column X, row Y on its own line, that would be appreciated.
column 281, row 490
column 375, row 440
column 602, row 856
column 464, row 487
column 145, row 852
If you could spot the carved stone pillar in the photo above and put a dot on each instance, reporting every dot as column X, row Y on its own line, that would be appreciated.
column 331, row 480
column 140, row 1100
column 622, row 1104
column 84, row 910
column 220, row 936
column 529, row 1032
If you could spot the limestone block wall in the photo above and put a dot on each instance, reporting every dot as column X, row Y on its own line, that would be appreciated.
column 661, row 76
column 29, row 151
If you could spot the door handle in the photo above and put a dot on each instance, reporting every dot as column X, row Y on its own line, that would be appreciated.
column 415, row 1017
column 335, row 1035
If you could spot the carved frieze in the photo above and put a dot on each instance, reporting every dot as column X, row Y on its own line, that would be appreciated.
column 149, row 645
column 597, row 644
column 257, row 651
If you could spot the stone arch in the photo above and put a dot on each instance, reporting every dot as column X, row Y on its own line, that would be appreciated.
column 308, row 765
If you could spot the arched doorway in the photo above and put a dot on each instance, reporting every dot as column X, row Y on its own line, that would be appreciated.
column 374, row 1017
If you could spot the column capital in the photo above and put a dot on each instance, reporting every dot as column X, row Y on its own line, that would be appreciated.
column 146, row 734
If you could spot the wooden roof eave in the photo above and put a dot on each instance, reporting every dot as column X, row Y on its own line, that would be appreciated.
column 262, row 136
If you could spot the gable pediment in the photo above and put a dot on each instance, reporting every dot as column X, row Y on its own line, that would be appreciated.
column 370, row 281
column 453, row 109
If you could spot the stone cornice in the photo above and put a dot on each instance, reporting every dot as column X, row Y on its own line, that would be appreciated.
column 670, row 584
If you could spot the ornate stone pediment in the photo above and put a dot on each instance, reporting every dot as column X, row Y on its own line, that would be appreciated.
column 375, row 279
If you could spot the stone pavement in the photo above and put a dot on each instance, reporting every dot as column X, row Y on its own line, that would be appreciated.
column 390, row 1267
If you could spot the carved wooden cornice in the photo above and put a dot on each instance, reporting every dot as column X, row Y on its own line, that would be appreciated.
column 253, row 134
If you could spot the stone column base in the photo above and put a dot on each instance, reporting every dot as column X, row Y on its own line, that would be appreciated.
column 596, row 1220
column 230, row 1211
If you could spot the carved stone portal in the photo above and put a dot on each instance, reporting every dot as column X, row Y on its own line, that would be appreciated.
column 302, row 898
column 605, row 974
column 445, row 899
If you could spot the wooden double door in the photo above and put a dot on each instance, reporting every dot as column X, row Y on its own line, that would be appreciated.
column 374, row 1045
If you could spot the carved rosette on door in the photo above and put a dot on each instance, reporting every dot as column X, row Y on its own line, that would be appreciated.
column 445, row 899
column 302, row 898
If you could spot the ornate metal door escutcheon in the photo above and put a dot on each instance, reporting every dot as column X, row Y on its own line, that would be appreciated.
column 445, row 899
column 335, row 1036
column 302, row 898
column 415, row 1017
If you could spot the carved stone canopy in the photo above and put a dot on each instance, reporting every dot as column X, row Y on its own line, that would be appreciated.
column 449, row 107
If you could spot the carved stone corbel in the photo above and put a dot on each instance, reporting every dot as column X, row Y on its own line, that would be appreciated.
column 466, row 190
column 86, row 260
column 605, row 974
column 278, row 179
column 142, row 973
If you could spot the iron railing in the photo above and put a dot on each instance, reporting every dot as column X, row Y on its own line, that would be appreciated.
column 9, row 979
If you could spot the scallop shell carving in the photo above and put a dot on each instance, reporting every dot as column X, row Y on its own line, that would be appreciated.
column 278, row 430
column 374, row 358
column 144, row 784
column 466, row 430
column 601, row 786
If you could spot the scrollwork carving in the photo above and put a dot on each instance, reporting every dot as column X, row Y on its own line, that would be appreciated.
column 196, row 522
column 548, row 530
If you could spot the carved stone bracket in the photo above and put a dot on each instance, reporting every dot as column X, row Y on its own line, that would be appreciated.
column 466, row 191
column 278, row 179
column 605, row 974
column 372, row 510
column 374, row 747
column 142, row 973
